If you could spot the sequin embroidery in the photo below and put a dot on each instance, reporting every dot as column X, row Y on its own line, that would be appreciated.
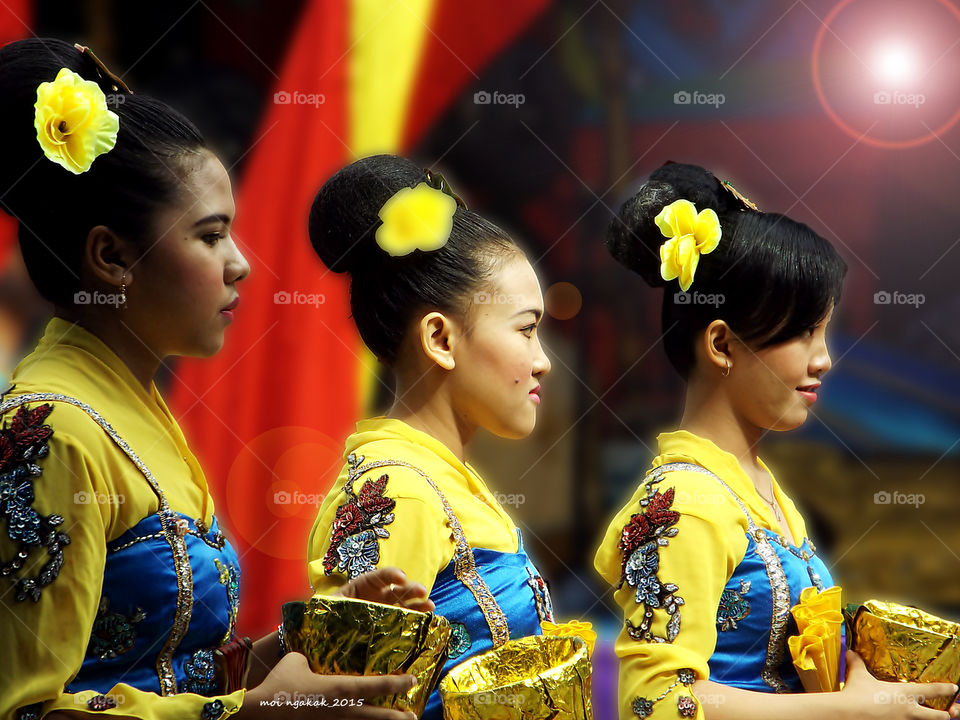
column 358, row 528
column 640, row 543
column 22, row 443
column 733, row 607
column 113, row 633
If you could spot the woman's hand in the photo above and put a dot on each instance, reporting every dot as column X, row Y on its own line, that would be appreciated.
column 389, row 586
column 323, row 696
column 868, row 697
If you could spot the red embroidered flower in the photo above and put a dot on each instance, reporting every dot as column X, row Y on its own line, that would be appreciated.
column 349, row 518
column 365, row 511
column 371, row 498
column 27, row 425
column 658, row 509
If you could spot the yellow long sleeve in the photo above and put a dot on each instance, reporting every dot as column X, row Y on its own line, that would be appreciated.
column 702, row 539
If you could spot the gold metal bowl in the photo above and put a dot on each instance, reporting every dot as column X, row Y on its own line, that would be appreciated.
column 343, row 636
column 530, row 678
column 899, row 643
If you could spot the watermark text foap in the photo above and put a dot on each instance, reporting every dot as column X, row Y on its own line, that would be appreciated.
column 507, row 499
column 285, row 297
column 898, row 97
column 489, row 298
column 895, row 297
column 96, row 297
column 898, row 498
column 286, row 497
column 699, row 298
column 86, row 497
column 897, row 698
column 696, row 97
column 485, row 97
column 284, row 97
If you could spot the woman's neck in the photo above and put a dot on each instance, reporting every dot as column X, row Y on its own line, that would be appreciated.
column 710, row 416
column 139, row 358
column 425, row 405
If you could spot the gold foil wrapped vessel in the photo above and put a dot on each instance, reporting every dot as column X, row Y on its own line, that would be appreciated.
column 531, row 678
column 343, row 636
column 899, row 643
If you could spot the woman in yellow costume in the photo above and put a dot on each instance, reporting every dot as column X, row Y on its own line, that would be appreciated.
column 710, row 554
column 450, row 304
column 119, row 585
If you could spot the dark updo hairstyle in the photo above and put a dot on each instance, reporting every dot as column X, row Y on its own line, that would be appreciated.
column 385, row 291
column 123, row 188
column 777, row 277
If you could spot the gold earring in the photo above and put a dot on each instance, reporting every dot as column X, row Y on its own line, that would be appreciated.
column 727, row 372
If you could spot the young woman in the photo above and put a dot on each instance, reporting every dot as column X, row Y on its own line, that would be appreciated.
column 709, row 536
column 121, row 583
column 449, row 303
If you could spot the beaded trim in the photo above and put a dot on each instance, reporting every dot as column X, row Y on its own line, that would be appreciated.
column 776, row 643
column 464, row 564
column 181, row 562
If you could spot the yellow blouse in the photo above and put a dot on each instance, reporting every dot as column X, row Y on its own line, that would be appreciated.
column 709, row 544
column 99, row 492
column 418, row 517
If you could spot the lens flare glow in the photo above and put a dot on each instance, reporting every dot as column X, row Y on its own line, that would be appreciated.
column 895, row 62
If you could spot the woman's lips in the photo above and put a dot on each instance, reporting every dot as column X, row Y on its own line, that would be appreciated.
column 535, row 394
column 809, row 392
column 227, row 312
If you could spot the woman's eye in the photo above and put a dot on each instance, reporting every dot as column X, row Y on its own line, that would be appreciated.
column 212, row 238
column 528, row 330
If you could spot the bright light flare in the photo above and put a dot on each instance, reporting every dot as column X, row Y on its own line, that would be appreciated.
column 895, row 62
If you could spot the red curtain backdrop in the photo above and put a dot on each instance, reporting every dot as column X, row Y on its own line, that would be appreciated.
column 16, row 18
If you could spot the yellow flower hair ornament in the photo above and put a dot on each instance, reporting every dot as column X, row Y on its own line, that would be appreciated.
column 417, row 218
column 689, row 235
column 74, row 125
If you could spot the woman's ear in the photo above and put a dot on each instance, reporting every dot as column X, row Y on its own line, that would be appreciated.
column 438, row 337
column 717, row 341
column 108, row 257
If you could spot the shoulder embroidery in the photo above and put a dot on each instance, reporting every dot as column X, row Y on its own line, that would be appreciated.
column 22, row 443
column 640, row 543
column 358, row 527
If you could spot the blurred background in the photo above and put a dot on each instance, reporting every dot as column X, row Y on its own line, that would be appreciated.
column 544, row 115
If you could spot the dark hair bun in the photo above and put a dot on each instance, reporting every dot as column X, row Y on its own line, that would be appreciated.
column 345, row 214
column 633, row 237
column 386, row 291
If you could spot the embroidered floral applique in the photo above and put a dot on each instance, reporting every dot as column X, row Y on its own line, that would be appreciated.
column 201, row 674
column 541, row 596
column 113, row 633
column 22, row 443
column 358, row 526
column 460, row 640
column 686, row 704
column 640, row 543
column 733, row 607
column 230, row 578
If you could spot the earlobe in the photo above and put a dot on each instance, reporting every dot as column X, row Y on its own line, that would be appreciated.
column 437, row 338
column 106, row 257
column 717, row 339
